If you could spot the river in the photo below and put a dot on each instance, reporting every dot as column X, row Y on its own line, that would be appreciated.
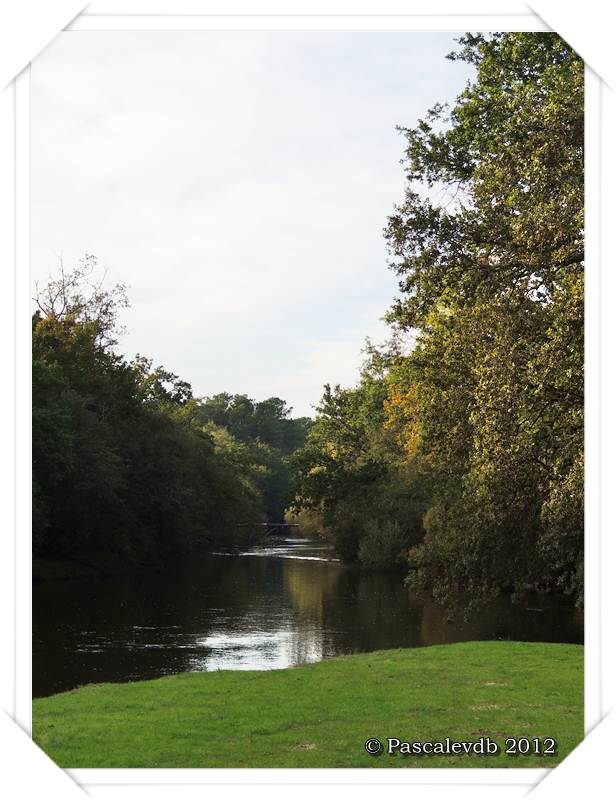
column 275, row 605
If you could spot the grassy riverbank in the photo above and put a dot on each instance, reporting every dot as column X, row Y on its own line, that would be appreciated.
column 320, row 715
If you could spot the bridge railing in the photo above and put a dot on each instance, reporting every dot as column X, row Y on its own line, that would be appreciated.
column 270, row 528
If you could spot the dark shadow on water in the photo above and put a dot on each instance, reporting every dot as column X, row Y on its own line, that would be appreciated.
column 271, row 607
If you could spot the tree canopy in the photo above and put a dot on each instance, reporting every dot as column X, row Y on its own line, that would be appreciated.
column 458, row 456
column 465, row 451
column 125, row 460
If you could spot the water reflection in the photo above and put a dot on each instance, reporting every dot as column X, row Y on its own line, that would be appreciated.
column 287, row 603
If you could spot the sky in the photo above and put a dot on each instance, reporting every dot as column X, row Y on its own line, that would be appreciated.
column 239, row 183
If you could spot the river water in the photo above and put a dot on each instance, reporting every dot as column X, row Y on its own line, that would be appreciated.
column 275, row 605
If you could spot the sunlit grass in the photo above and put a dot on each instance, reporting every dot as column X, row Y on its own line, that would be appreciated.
column 320, row 715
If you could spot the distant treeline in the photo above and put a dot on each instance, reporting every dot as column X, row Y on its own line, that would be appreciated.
column 125, row 460
column 459, row 457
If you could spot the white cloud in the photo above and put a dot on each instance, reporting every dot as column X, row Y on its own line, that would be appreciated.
column 239, row 183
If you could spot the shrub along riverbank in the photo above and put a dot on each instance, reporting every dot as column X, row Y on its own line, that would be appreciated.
column 320, row 715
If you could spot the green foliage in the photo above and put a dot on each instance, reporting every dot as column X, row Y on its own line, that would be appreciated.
column 349, row 471
column 496, row 287
column 470, row 444
column 270, row 436
column 511, row 154
column 125, row 460
column 382, row 545
column 465, row 450
column 310, row 524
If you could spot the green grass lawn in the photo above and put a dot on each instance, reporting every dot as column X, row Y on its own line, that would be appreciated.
column 320, row 715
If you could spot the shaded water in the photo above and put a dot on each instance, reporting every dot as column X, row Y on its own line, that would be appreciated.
column 273, row 606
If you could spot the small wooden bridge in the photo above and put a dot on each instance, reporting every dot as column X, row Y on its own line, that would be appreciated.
column 271, row 528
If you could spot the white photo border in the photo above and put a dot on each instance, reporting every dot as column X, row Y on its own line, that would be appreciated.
column 23, row 622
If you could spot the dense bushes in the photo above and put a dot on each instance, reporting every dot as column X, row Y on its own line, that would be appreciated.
column 350, row 472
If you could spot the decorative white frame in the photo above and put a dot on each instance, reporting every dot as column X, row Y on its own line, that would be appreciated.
column 18, row 213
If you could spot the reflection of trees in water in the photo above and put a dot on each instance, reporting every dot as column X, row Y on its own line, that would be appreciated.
column 375, row 612
column 309, row 643
column 152, row 624
column 351, row 610
column 359, row 611
column 542, row 618
column 311, row 588
column 143, row 625
column 310, row 585
column 436, row 628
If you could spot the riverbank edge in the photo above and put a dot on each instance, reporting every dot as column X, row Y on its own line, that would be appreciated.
column 110, row 564
column 321, row 714
column 105, row 563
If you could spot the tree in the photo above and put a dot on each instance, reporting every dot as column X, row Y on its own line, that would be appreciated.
column 80, row 295
column 511, row 155
column 468, row 446
column 271, row 435
column 350, row 472
column 493, row 280
column 122, row 462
